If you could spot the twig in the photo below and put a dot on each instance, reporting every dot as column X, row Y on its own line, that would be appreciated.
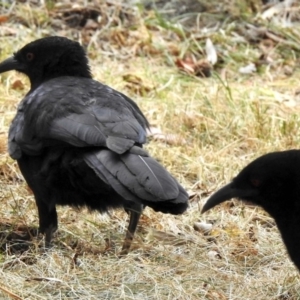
column 10, row 293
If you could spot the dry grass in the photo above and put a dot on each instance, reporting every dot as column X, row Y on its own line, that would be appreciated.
column 217, row 125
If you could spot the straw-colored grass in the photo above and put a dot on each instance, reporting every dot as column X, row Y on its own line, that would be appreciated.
column 210, row 128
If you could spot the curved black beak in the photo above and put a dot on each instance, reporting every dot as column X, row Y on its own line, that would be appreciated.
column 9, row 64
column 225, row 193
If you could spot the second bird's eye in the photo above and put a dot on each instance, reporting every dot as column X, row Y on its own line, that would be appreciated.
column 29, row 56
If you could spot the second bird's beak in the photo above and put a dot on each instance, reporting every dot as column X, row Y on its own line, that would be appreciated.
column 9, row 64
column 225, row 193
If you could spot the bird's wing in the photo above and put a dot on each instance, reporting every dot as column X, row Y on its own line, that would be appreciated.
column 140, row 175
column 78, row 112
column 98, row 127
column 140, row 179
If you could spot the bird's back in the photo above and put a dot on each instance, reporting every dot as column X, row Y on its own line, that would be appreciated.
column 77, row 111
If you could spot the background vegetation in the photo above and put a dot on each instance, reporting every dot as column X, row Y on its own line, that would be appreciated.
column 218, row 82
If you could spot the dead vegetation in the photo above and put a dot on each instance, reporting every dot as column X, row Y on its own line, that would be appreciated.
column 206, row 125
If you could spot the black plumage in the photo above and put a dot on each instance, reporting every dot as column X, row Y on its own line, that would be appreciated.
column 79, row 142
column 272, row 181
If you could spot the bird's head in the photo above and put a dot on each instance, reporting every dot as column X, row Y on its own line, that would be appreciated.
column 47, row 58
column 271, row 181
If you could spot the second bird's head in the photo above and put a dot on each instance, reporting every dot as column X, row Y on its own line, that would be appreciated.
column 48, row 58
column 271, row 181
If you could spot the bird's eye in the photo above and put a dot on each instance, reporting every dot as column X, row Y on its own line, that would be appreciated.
column 29, row 56
column 255, row 182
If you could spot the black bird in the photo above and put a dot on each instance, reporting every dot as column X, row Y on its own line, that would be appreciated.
column 79, row 142
column 272, row 181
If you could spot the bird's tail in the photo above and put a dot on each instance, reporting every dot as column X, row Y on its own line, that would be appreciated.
column 140, row 179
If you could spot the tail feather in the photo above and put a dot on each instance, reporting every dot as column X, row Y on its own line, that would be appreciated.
column 109, row 165
column 151, row 176
column 176, row 206
column 139, row 178
column 93, row 161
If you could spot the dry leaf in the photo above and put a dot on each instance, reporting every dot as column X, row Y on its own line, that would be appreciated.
column 136, row 84
column 201, row 68
column 186, row 65
column 17, row 85
column 3, row 18
column 132, row 79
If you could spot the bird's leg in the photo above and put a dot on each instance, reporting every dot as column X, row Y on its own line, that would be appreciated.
column 48, row 234
column 135, row 213
column 48, row 221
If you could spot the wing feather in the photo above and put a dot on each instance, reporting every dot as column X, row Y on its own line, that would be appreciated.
column 142, row 176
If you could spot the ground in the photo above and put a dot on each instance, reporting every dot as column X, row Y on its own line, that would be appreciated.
column 208, row 118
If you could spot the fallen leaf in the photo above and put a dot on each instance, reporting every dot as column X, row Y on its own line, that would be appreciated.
column 136, row 84
column 3, row 18
column 132, row 79
column 201, row 68
column 17, row 85
column 186, row 65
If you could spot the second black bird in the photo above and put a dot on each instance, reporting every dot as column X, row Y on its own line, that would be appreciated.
column 272, row 181
column 79, row 142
